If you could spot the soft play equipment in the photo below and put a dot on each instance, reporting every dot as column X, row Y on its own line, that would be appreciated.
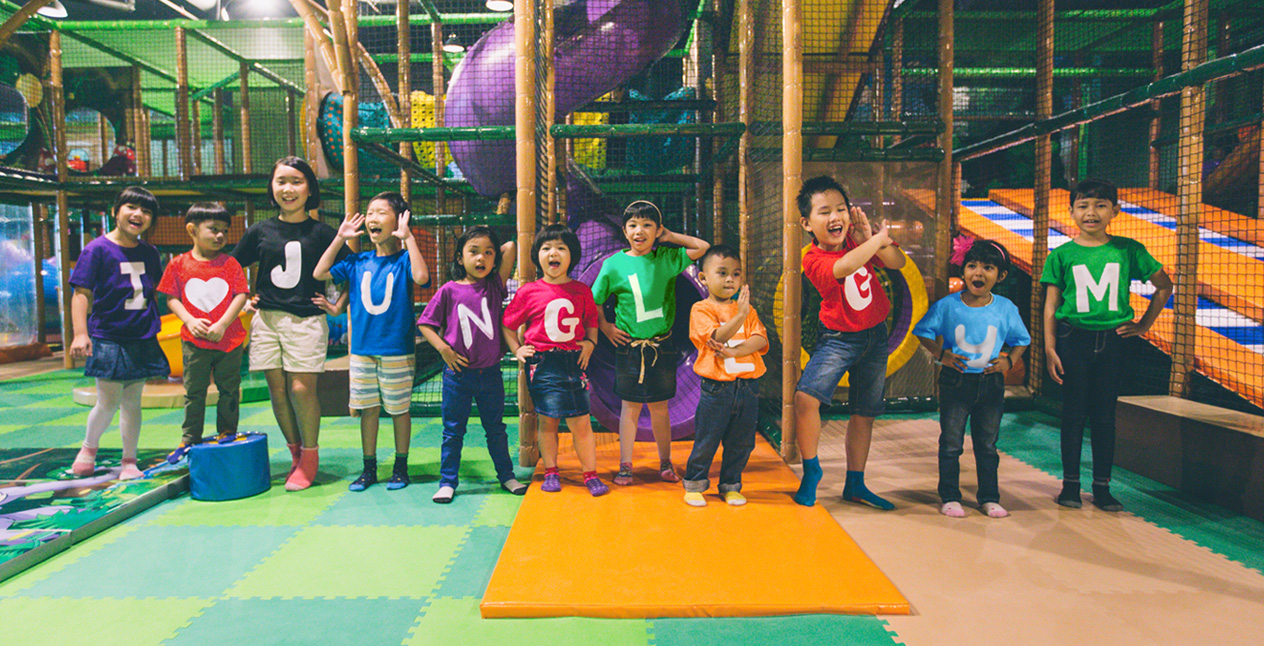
column 236, row 469
column 662, row 571
column 169, row 340
column 599, row 45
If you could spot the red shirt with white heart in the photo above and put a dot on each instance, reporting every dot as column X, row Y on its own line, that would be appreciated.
column 205, row 289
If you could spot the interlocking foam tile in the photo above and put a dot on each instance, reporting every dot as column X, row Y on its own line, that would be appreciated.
column 56, row 435
column 275, row 507
column 428, row 432
column 301, row 621
column 33, row 413
column 52, row 568
column 344, row 433
column 457, row 621
column 808, row 630
column 368, row 562
column 473, row 566
column 498, row 511
column 410, row 506
column 166, row 562
column 100, row 622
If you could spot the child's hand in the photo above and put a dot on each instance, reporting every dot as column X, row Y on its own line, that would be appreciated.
column 324, row 304
column 1131, row 328
column 350, row 227
column 401, row 228
column 216, row 332
column 616, row 336
column 1000, row 364
column 252, row 305
column 725, row 352
column 1055, row 366
column 953, row 360
column 585, row 352
column 453, row 358
column 81, row 347
column 861, row 230
column 198, row 328
column 524, row 351
column 743, row 301
column 884, row 233
column 715, row 345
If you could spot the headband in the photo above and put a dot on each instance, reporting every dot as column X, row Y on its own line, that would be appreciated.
column 962, row 244
column 656, row 209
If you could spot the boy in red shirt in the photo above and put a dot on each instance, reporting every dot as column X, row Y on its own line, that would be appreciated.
column 206, row 289
column 842, row 265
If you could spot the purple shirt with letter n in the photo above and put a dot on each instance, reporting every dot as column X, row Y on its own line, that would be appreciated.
column 468, row 318
column 123, row 281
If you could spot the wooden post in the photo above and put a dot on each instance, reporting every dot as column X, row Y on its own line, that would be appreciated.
column 140, row 125
column 311, row 100
column 549, row 109
column 183, row 132
column 1156, row 123
column 1260, row 201
column 791, row 235
column 437, row 76
column 524, row 121
column 291, row 125
column 1190, row 193
column 943, row 194
column 718, row 70
column 340, row 25
column 1043, row 184
column 195, row 121
column 243, row 130
column 57, row 96
column 217, row 130
column 745, row 100
column 897, row 75
column 404, row 65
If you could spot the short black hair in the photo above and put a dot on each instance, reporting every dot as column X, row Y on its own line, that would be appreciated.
column 643, row 209
column 393, row 199
column 138, row 196
column 719, row 251
column 816, row 186
column 456, row 271
column 1101, row 189
column 203, row 211
column 301, row 165
column 549, row 234
column 988, row 252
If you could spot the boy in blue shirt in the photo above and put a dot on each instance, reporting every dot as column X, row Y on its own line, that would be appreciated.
column 973, row 324
column 382, row 334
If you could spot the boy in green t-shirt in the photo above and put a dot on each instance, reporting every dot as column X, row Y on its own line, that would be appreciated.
column 1087, row 313
column 643, row 279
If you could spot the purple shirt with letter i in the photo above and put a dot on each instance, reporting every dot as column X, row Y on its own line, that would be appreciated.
column 123, row 281
column 468, row 319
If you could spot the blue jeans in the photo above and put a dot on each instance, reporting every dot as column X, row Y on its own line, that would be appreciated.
column 863, row 354
column 981, row 398
column 727, row 413
column 460, row 389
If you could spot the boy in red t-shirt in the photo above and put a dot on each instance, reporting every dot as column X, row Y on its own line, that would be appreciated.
column 207, row 289
column 842, row 265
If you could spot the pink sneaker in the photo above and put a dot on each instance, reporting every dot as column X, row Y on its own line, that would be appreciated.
column 624, row 477
column 667, row 472
column 130, row 470
column 85, row 463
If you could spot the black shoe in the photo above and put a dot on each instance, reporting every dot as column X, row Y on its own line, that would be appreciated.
column 1104, row 501
column 1070, row 496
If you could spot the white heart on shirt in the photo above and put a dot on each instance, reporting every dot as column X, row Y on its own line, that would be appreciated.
column 206, row 294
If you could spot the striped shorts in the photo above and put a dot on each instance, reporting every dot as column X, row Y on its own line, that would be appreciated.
column 382, row 381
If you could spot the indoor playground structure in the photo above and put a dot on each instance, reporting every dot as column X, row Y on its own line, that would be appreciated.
column 943, row 118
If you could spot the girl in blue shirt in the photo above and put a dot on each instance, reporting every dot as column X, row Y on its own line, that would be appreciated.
column 965, row 332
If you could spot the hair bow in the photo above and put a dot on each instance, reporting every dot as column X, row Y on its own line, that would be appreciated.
column 960, row 245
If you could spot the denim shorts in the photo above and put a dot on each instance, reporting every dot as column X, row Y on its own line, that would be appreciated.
column 557, row 385
column 128, row 360
column 863, row 354
column 646, row 372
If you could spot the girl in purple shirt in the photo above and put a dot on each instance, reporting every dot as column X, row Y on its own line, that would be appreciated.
column 462, row 322
column 116, row 326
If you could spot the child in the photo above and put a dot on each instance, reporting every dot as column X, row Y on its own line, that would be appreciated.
column 561, row 320
column 1083, row 332
column 115, row 279
column 729, row 338
column 288, row 336
column 973, row 325
column 643, row 279
column 842, row 264
column 462, row 322
column 207, row 289
column 382, row 337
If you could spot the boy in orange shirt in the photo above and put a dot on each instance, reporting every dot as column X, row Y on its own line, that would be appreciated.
column 729, row 338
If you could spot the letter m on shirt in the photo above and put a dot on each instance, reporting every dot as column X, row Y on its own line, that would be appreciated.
column 1084, row 284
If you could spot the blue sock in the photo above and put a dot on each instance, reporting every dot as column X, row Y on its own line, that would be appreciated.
column 856, row 491
column 806, row 495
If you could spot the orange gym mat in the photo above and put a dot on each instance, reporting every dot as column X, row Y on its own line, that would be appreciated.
column 641, row 552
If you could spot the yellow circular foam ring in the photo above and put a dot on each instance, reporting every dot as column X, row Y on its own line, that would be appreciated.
column 906, row 289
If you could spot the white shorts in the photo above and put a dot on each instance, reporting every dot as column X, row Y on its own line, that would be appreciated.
column 282, row 340
column 382, row 381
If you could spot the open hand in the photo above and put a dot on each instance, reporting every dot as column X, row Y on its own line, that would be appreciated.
column 402, row 231
column 350, row 227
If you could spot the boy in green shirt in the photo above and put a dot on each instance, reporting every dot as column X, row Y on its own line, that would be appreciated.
column 1086, row 314
column 643, row 279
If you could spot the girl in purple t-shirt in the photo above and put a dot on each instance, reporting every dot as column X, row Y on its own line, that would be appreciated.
column 116, row 325
column 462, row 322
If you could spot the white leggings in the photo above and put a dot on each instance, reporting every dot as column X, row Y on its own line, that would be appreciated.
column 123, row 396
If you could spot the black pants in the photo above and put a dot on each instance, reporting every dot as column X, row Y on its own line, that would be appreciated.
column 1090, row 388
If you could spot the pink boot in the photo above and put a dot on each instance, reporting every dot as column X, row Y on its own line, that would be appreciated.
column 85, row 463
column 130, row 470
column 305, row 472
column 294, row 453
